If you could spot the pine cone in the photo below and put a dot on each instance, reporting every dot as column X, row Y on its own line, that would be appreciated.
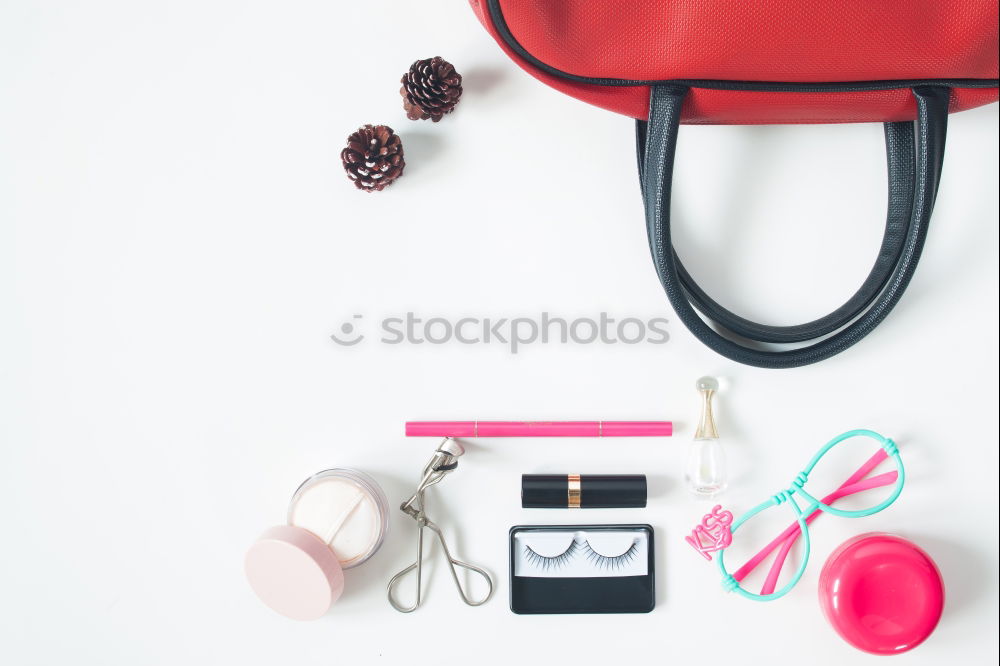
column 430, row 89
column 373, row 157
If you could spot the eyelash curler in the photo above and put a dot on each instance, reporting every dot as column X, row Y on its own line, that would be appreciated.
column 444, row 461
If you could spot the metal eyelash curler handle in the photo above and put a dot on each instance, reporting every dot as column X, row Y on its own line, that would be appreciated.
column 445, row 460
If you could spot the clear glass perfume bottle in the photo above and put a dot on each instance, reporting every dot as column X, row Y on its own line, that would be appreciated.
column 705, row 474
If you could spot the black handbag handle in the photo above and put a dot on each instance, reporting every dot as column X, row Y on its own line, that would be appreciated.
column 900, row 159
column 914, row 173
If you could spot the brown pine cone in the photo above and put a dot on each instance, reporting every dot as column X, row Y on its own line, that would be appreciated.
column 430, row 89
column 373, row 157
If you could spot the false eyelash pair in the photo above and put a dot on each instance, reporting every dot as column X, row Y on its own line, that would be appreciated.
column 581, row 578
column 600, row 561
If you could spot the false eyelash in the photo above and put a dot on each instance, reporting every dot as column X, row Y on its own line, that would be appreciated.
column 605, row 562
column 550, row 562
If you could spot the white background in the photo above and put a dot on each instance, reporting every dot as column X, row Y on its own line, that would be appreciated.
column 178, row 241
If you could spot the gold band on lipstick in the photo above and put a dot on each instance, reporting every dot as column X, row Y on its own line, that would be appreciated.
column 573, row 491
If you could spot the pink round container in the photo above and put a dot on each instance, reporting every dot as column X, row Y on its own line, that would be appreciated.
column 881, row 593
column 337, row 519
column 294, row 572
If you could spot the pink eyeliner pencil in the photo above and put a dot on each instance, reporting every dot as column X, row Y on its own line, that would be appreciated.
column 539, row 428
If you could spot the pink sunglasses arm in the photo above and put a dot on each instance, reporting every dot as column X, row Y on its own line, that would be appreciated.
column 792, row 532
column 875, row 482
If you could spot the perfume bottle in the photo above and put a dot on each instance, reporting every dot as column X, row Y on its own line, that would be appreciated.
column 705, row 474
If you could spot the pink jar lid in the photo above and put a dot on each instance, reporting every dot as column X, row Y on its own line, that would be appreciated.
column 881, row 593
column 294, row 572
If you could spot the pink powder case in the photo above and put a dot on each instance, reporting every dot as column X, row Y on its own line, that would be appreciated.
column 337, row 519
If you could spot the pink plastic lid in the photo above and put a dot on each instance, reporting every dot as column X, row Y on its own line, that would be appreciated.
column 881, row 593
column 294, row 572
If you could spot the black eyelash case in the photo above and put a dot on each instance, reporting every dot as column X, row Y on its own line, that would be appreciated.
column 581, row 569
column 583, row 491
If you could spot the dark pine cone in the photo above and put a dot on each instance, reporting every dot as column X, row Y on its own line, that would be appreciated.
column 373, row 157
column 430, row 89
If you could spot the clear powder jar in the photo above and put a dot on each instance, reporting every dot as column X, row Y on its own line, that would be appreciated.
column 346, row 509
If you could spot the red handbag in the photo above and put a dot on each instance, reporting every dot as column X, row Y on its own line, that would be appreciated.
column 669, row 62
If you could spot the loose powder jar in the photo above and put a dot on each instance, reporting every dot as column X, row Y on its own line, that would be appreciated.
column 337, row 519
column 346, row 509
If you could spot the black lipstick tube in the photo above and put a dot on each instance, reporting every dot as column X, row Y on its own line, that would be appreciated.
column 583, row 491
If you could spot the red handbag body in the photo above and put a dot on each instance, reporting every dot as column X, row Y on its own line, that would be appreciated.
column 608, row 53
column 667, row 62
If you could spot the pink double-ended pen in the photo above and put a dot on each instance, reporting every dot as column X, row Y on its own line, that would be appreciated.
column 539, row 428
